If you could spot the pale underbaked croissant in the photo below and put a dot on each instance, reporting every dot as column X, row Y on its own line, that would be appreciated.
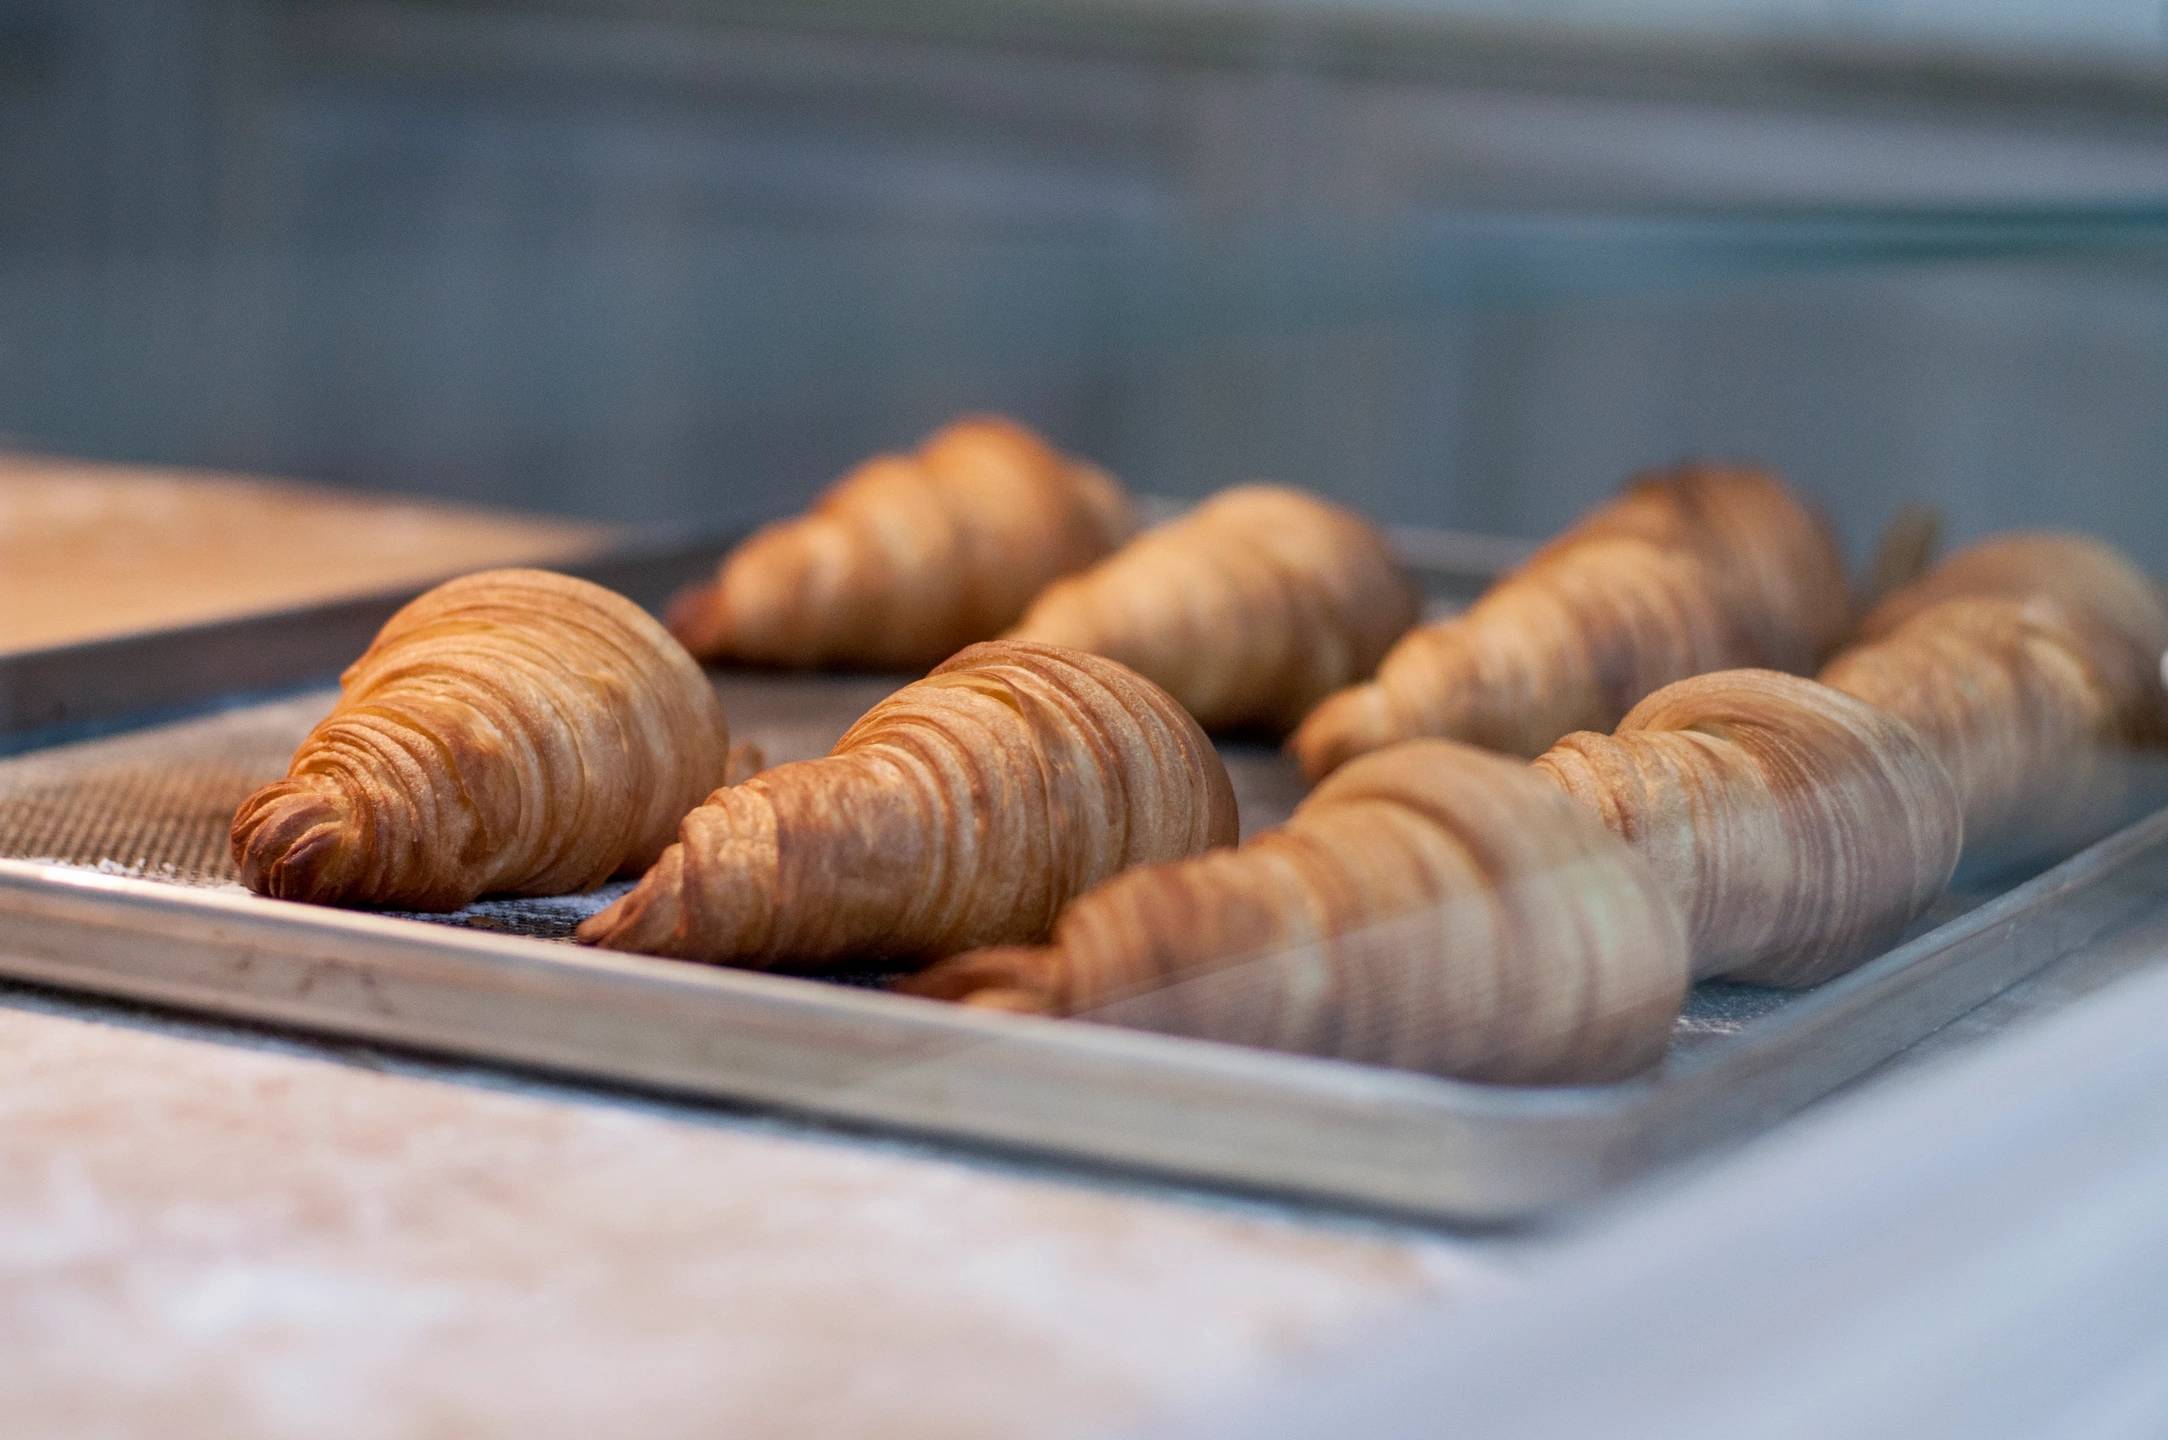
column 1248, row 610
column 511, row 731
column 2123, row 611
column 1693, row 570
column 1800, row 829
column 909, row 557
column 966, row 809
column 1432, row 907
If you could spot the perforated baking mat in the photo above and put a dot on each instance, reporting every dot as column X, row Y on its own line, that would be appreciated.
column 115, row 878
column 157, row 803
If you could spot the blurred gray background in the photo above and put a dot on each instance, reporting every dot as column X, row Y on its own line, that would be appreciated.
column 1461, row 263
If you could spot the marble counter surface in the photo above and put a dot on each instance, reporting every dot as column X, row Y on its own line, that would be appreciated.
column 90, row 550
column 205, row 1234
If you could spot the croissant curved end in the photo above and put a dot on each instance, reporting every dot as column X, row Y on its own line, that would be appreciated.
column 696, row 617
column 290, row 840
column 1353, row 722
column 649, row 918
column 1017, row 979
column 1115, row 519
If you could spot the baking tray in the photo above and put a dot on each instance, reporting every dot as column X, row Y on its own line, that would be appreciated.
column 114, row 880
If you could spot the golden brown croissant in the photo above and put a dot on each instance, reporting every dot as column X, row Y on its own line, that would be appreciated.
column 2089, row 582
column 512, row 731
column 909, row 557
column 1800, row 829
column 1687, row 571
column 965, row 809
column 1431, row 906
column 2016, row 698
column 1248, row 610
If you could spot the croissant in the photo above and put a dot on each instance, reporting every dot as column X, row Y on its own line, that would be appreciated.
column 1249, row 610
column 2016, row 698
column 966, row 809
column 909, row 557
column 513, row 731
column 1694, row 570
column 1431, row 906
column 2122, row 610
column 1800, row 829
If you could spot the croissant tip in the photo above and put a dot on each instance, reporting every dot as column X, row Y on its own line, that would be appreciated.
column 604, row 928
column 1017, row 979
column 694, row 618
column 1342, row 727
column 612, row 927
column 286, row 838
column 646, row 918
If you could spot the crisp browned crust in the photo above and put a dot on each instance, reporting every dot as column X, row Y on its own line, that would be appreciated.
column 2120, row 614
column 1430, row 906
column 909, row 557
column 964, row 810
column 2015, row 697
column 1249, row 610
column 1799, row 829
column 1689, row 571
column 511, row 731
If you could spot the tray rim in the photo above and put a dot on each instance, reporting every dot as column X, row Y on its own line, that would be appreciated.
column 1454, row 1150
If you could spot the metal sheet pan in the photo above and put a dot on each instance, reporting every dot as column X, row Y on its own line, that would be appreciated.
column 93, row 824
